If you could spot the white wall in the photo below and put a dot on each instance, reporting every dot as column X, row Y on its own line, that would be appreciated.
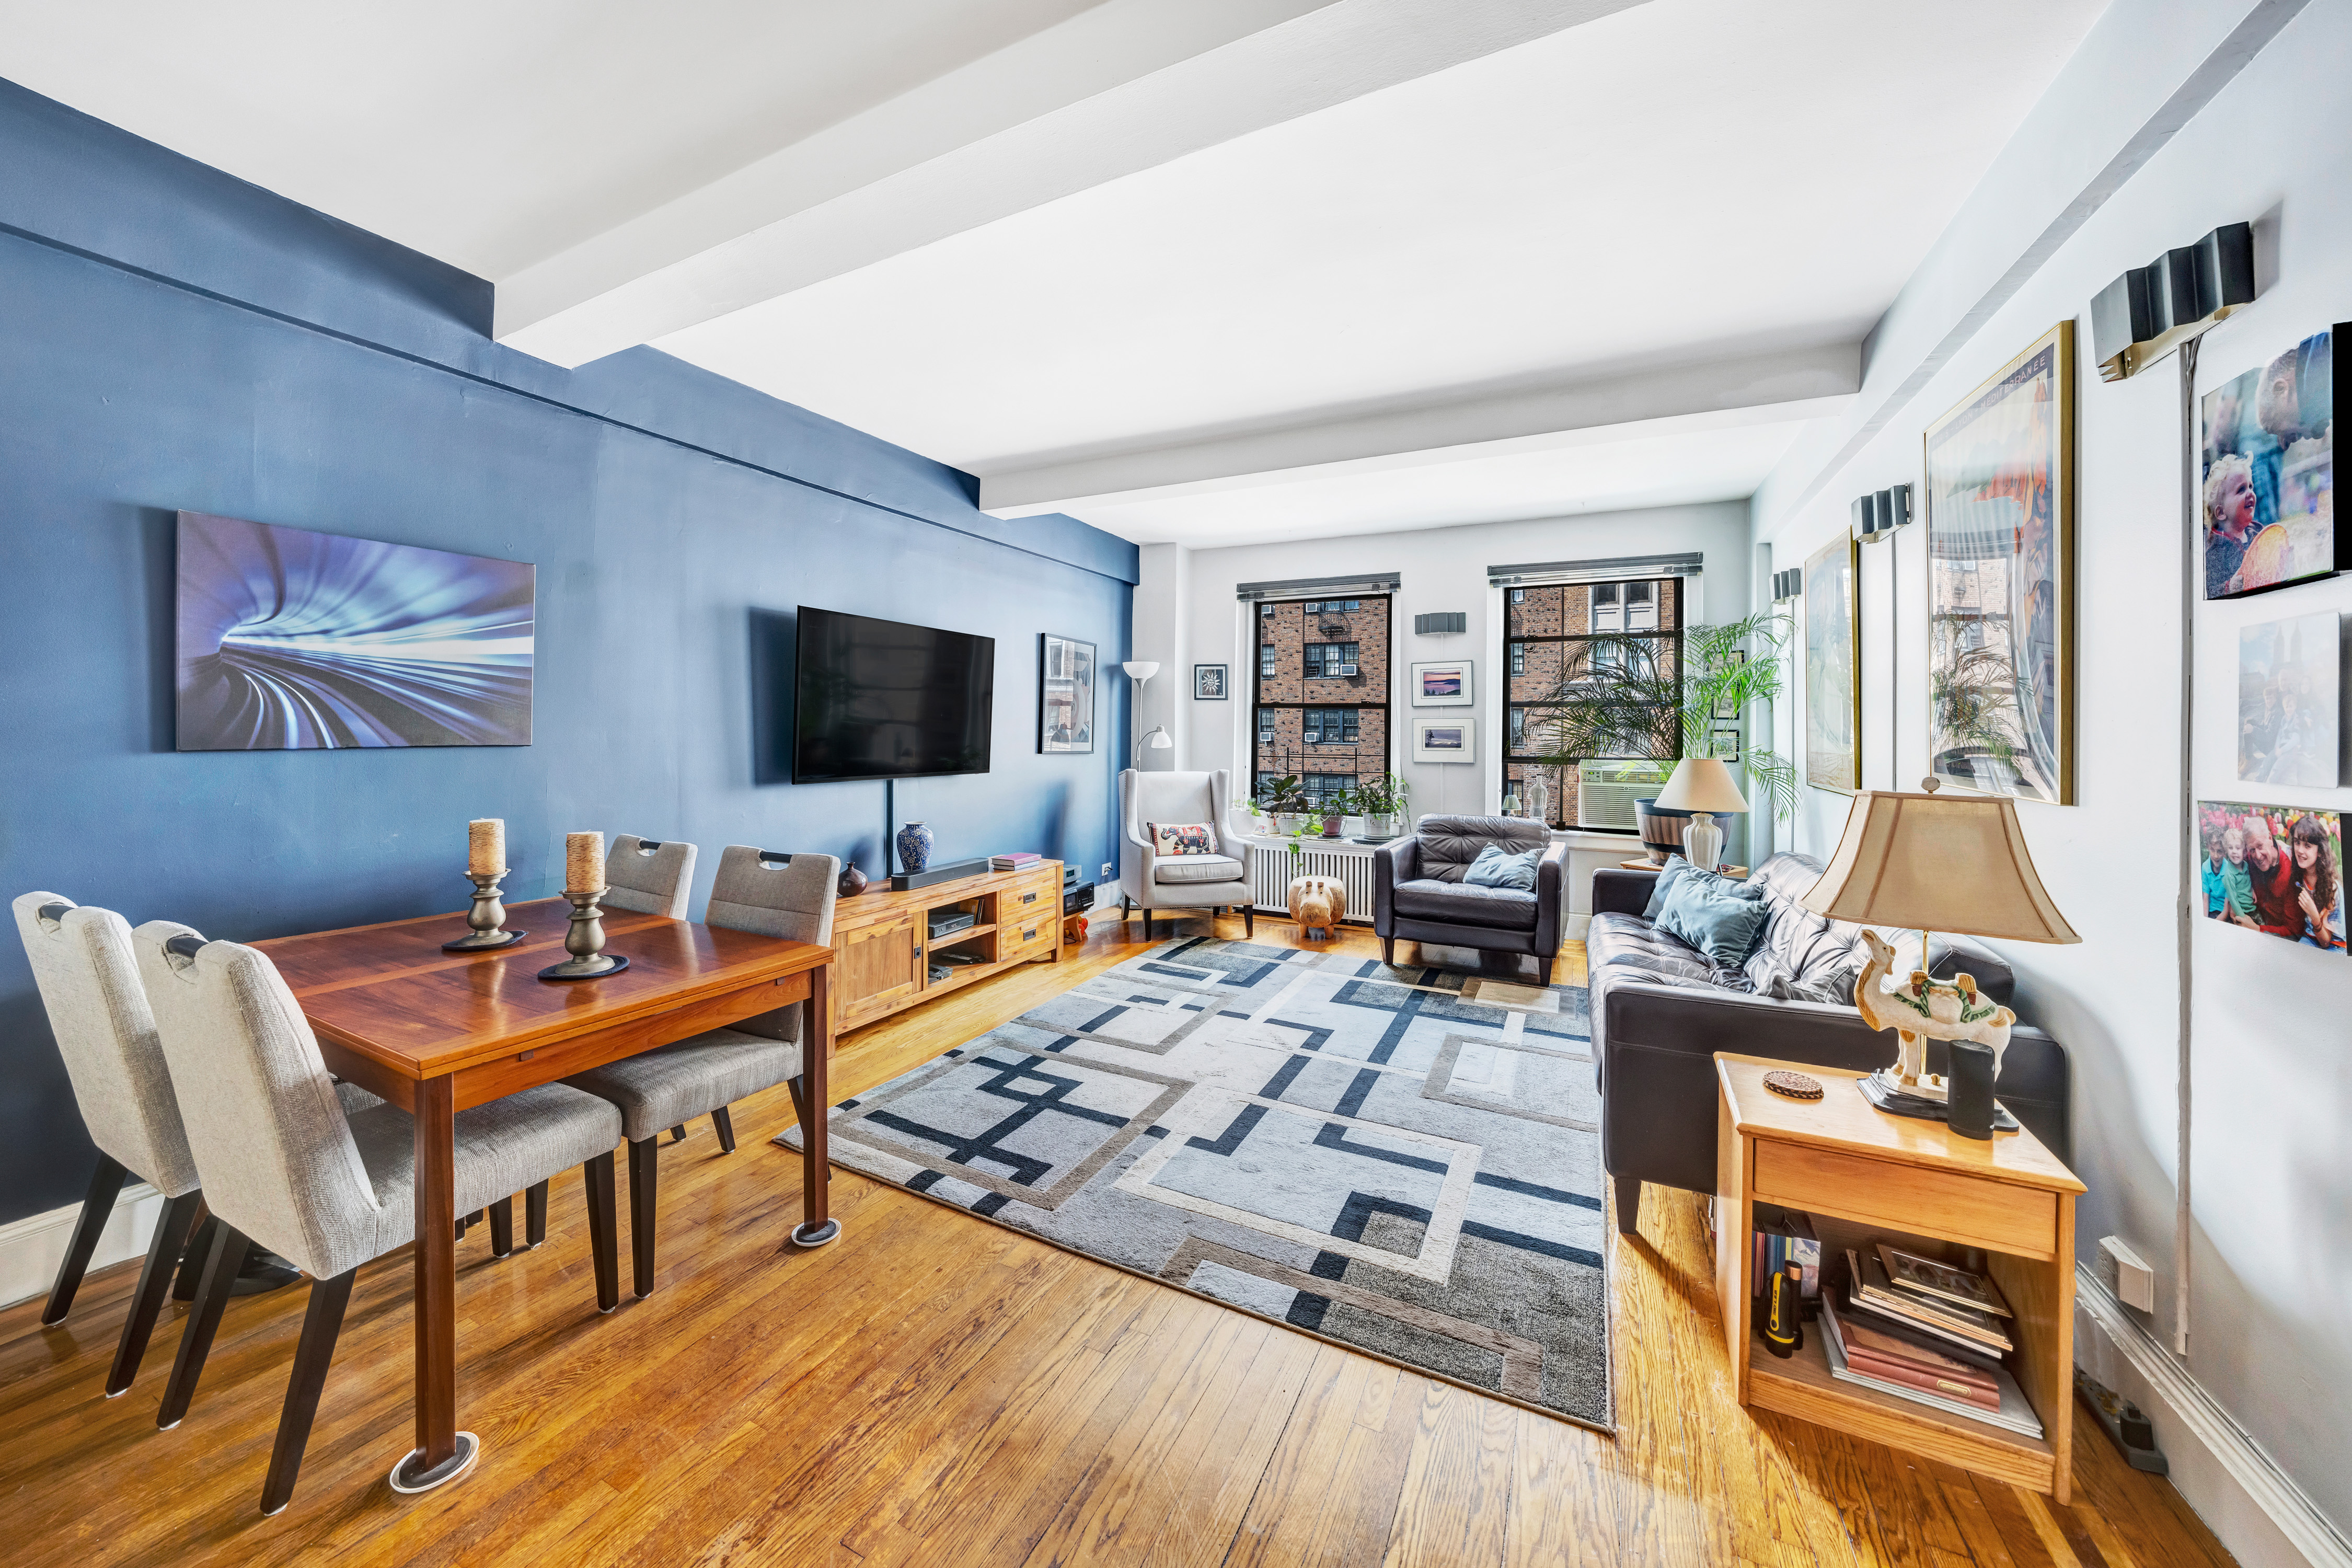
column 1440, row 569
column 2272, row 1271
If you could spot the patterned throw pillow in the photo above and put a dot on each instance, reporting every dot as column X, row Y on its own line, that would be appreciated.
column 1182, row 837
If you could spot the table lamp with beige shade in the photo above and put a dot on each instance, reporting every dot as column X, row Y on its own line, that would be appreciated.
column 1702, row 787
column 1957, row 864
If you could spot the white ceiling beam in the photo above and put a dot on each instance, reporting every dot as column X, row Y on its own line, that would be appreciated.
column 1125, row 86
column 1795, row 384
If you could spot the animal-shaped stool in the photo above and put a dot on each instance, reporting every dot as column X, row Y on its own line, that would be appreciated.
column 1318, row 903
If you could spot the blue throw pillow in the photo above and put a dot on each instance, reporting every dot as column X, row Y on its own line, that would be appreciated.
column 1719, row 923
column 1493, row 869
column 1678, row 869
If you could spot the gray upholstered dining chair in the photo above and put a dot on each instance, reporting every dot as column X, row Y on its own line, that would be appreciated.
column 760, row 890
column 646, row 877
column 284, row 1166
column 90, row 985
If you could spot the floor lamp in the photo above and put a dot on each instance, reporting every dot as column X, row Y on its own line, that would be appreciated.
column 1139, row 670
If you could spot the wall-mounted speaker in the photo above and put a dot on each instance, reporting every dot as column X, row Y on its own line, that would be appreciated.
column 2150, row 310
column 1877, row 515
column 1444, row 624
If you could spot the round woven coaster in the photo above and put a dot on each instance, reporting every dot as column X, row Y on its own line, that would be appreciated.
column 1795, row 1085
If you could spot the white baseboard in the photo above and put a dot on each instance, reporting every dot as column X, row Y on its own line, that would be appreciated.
column 31, row 1248
column 2244, row 1498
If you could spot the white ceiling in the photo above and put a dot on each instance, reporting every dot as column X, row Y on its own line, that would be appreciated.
column 1205, row 272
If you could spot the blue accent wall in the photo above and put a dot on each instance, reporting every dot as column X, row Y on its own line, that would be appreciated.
column 171, row 337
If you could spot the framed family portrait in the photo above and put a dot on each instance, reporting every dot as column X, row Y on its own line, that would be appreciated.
column 1833, row 667
column 2000, row 580
column 1066, row 694
column 1445, row 740
column 1445, row 683
column 1208, row 683
column 2277, row 870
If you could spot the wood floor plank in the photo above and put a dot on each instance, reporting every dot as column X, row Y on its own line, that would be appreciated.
column 936, row 1389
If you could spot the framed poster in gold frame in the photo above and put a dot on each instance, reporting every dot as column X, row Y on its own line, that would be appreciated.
column 1834, row 666
column 2000, row 579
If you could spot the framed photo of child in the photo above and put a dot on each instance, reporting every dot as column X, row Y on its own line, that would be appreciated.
column 2275, row 870
column 2268, row 475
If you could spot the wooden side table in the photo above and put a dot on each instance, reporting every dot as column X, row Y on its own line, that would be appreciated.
column 1862, row 1173
column 1736, row 873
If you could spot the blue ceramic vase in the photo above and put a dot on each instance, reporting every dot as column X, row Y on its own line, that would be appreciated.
column 914, row 847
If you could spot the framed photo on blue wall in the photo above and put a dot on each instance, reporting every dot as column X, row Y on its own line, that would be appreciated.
column 1066, row 694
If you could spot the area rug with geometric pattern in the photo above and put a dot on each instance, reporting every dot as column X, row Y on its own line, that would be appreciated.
column 1403, row 1161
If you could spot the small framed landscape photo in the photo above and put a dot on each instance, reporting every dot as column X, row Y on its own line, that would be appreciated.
column 1208, row 683
column 1724, row 744
column 1445, row 740
column 1447, row 683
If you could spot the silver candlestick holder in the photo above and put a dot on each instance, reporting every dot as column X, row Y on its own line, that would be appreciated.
column 585, row 943
column 487, row 918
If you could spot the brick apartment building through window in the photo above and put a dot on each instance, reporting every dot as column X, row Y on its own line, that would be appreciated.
column 1548, row 636
column 1321, row 703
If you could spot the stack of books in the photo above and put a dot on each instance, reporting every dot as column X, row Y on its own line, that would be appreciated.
column 1923, row 1331
column 1016, row 862
column 1784, row 1237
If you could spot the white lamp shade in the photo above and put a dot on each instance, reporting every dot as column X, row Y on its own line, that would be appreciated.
column 1938, row 862
column 1701, row 784
column 1160, row 741
column 1140, row 668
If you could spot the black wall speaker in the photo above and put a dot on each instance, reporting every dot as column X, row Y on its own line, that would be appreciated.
column 2152, row 308
column 1443, row 623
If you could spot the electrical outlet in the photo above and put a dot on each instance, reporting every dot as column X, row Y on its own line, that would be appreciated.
column 2126, row 1274
column 1106, row 872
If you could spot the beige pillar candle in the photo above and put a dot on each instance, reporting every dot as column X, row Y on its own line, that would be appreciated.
column 485, row 846
column 583, row 863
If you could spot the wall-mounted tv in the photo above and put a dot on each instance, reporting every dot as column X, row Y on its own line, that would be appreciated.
column 882, row 699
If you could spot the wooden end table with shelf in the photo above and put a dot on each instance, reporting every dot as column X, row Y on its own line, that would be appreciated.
column 1905, row 1181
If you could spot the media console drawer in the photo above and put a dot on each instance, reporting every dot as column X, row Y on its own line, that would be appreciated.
column 2006, row 1218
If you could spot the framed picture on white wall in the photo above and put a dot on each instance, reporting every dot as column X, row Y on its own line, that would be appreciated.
column 1208, row 683
column 1445, row 740
column 1445, row 683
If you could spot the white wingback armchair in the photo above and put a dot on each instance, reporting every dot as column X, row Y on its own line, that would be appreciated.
column 1209, row 883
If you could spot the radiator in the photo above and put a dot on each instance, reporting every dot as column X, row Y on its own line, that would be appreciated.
column 1271, row 871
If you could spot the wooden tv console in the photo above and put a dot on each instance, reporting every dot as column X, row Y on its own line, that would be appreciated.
column 883, row 948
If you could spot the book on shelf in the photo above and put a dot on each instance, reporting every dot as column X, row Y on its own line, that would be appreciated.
column 1013, row 862
column 1940, row 1281
column 1784, row 1237
column 1966, row 1324
column 1867, row 1345
column 2012, row 1412
column 1856, row 1310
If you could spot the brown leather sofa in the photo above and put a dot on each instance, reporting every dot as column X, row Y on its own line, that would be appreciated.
column 1661, row 1010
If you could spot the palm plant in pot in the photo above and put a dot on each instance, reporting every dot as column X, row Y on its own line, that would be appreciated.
column 1625, row 696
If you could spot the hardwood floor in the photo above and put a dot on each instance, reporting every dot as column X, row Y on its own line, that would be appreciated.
column 933, row 1389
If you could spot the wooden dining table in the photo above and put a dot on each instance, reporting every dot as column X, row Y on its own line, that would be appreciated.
column 435, row 1033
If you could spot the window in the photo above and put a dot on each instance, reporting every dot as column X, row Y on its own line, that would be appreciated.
column 1561, row 639
column 1323, row 659
column 1327, row 728
column 1324, row 726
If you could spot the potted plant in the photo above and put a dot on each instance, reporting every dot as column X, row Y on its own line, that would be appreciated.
column 1624, row 696
column 1334, row 810
column 1285, row 801
column 1382, row 803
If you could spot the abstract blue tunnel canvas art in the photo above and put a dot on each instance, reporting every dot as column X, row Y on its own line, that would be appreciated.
column 290, row 640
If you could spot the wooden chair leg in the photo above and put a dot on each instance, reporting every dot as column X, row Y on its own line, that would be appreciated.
column 644, row 1167
column 726, row 1127
column 154, row 1279
column 1249, row 921
column 678, row 1133
column 97, row 1208
column 1543, row 972
column 602, row 1224
column 1388, row 950
column 222, row 1266
column 534, row 1214
column 322, row 1322
column 501, row 1228
column 193, row 1256
column 1629, row 1204
column 800, row 1101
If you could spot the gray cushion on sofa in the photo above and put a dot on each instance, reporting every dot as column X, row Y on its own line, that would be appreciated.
column 1502, row 909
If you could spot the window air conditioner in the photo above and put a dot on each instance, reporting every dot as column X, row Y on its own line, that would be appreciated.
column 1347, row 669
column 1605, row 791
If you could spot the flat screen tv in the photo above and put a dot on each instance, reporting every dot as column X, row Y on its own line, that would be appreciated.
column 882, row 699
